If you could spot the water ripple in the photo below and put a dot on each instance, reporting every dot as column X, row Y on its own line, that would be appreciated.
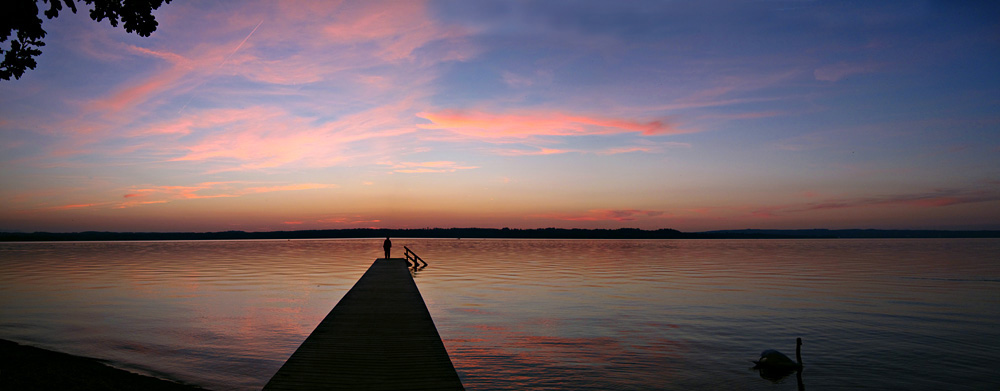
column 532, row 314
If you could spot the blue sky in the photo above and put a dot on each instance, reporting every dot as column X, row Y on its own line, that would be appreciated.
column 664, row 114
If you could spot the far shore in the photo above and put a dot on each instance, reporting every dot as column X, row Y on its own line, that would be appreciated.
column 25, row 367
column 500, row 233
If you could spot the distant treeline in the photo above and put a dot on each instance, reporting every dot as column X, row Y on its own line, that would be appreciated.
column 494, row 233
column 505, row 233
column 856, row 233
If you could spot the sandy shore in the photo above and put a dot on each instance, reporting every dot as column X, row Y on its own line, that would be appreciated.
column 30, row 368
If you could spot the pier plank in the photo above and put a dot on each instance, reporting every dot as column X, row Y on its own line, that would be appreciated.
column 380, row 336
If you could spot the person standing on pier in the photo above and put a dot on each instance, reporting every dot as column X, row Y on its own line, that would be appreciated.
column 386, row 245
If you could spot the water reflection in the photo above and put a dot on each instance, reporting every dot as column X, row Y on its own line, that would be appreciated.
column 684, row 314
column 211, row 311
column 778, row 376
column 558, row 314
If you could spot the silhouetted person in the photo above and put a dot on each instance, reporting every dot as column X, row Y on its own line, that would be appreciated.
column 386, row 245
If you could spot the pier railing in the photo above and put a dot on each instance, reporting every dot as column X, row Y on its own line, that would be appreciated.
column 413, row 257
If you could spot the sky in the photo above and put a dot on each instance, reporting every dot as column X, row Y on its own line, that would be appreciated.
column 691, row 115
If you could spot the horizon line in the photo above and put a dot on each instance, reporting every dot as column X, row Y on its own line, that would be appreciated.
column 503, row 233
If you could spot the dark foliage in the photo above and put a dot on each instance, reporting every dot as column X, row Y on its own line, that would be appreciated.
column 19, row 20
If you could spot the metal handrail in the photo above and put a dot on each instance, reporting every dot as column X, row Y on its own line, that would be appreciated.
column 413, row 257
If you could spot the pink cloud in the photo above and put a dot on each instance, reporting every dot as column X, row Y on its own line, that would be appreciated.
column 350, row 42
column 645, row 146
column 628, row 214
column 605, row 151
column 179, row 74
column 526, row 125
column 199, row 191
column 165, row 55
column 75, row 206
column 137, row 93
column 295, row 187
column 204, row 190
column 428, row 167
column 138, row 203
column 190, row 122
column 348, row 220
column 257, row 138
column 396, row 28
column 534, row 152
column 348, row 34
column 766, row 211
column 605, row 215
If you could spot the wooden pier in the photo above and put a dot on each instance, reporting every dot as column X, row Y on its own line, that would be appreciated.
column 380, row 336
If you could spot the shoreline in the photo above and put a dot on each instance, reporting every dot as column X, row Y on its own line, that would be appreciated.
column 504, row 233
column 24, row 367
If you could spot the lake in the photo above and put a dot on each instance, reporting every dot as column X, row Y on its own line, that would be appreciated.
column 914, row 314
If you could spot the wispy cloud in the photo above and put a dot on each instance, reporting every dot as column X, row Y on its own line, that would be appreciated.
column 350, row 220
column 395, row 29
column 75, row 206
column 604, row 215
column 932, row 199
column 264, row 137
column 645, row 147
column 179, row 73
column 517, row 80
column 293, row 187
column 227, row 96
column 428, row 167
column 840, row 70
column 356, row 46
column 534, row 151
column 541, row 151
column 144, row 195
column 531, row 124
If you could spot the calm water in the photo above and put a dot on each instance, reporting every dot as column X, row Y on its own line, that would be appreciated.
column 534, row 314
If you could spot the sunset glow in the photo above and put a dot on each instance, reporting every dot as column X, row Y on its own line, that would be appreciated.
column 280, row 115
